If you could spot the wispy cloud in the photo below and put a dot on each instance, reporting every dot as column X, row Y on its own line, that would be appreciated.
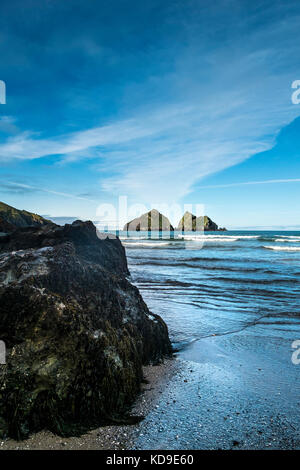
column 246, row 183
column 20, row 188
column 7, row 125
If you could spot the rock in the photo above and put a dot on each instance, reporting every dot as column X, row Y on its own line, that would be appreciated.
column 151, row 221
column 76, row 331
column 13, row 218
column 189, row 222
column 6, row 227
column 108, row 252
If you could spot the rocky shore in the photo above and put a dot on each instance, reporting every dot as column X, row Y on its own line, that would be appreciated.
column 77, row 332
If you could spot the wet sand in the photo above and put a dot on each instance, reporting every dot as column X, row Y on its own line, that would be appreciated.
column 236, row 391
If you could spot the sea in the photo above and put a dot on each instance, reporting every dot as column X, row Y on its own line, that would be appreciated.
column 231, row 301
column 218, row 282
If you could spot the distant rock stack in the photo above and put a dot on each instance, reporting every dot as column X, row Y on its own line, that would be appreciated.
column 151, row 221
column 190, row 223
column 187, row 222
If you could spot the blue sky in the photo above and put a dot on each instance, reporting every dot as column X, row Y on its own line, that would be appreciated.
column 162, row 101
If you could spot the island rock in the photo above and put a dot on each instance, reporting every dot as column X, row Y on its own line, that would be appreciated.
column 189, row 222
column 151, row 221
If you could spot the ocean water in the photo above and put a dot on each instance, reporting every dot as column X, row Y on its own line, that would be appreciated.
column 231, row 301
column 219, row 282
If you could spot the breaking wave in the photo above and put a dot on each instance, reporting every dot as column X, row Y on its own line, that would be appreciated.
column 282, row 248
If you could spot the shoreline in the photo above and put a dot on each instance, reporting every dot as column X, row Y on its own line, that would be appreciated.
column 111, row 437
column 236, row 391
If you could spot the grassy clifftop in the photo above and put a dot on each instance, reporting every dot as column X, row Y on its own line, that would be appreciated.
column 20, row 218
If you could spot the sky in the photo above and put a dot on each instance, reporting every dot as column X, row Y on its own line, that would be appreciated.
column 163, row 102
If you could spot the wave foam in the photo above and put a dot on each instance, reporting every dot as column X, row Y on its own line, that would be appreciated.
column 283, row 248
column 209, row 238
column 288, row 236
column 229, row 238
column 145, row 244
column 289, row 240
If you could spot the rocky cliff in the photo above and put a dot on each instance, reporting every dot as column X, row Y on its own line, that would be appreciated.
column 10, row 217
column 76, row 331
column 151, row 221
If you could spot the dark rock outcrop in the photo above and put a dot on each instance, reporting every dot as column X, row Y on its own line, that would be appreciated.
column 76, row 331
column 19, row 218
column 151, row 221
column 189, row 222
column 6, row 227
column 109, row 253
